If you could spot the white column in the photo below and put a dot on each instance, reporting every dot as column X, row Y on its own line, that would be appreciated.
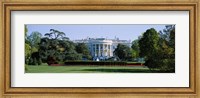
column 95, row 50
column 99, row 49
column 104, row 53
column 107, row 50
column 102, row 49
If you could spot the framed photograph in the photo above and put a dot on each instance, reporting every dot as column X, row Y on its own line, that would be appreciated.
column 100, row 48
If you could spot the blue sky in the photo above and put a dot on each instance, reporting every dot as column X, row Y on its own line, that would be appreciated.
column 82, row 31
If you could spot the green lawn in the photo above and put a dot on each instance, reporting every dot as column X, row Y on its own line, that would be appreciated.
column 86, row 69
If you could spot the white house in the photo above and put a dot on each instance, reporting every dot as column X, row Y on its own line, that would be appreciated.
column 102, row 48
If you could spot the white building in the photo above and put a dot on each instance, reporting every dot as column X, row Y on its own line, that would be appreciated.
column 102, row 48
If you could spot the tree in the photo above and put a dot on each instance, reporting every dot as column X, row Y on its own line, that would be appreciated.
column 35, row 59
column 172, row 36
column 34, row 39
column 31, row 46
column 52, row 46
column 135, row 45
column 158, row 49
column 82, row 48
column 48, row 49
column 27, row 52
column 148, row 44
column 55, row 48
column 167, row 49
column 25, row 30
column 55, row 34
column 73, row 55
column 167, row 43
column 135, row 48
column 123, row 52
column 27, row 47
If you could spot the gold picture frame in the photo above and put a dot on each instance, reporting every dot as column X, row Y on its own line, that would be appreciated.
column 87, row 5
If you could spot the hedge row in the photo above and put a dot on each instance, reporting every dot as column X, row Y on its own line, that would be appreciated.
column 94, row 63
column 135, row 63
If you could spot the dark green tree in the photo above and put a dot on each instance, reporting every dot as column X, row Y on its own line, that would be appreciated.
column 123, row 52
column 148, row 44
column 135, row 48
column 167, row 49
column 55, row 34
column 70, row 52
column 73, row 55
column 35, row 61
column 82, row 48
column 158, row 49
column 171, row 29
column 55, row 48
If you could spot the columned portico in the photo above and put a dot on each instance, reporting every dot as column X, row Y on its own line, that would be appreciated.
column 101, row 50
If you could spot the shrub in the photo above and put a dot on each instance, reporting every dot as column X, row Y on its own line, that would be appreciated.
column 161, row 65
column 39, row 61
column 35, row 61
column 151, row 64
column 73, row 56
column 26, row 61
column 167, row 65
column 51, row 60
column 30, row 62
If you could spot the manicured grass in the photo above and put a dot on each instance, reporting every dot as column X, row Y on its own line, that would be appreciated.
column 86, row 69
